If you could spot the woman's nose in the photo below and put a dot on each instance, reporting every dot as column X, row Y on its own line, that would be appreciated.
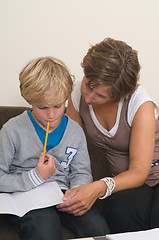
column 89, row 98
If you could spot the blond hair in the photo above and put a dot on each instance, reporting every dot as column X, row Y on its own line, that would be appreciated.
column 112, row 63
column 45, row 80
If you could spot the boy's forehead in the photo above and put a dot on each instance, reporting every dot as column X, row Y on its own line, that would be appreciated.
column 51, row 103
column 52, row 99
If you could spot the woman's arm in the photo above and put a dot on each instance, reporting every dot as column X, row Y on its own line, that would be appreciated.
column 141, row 149
column 79, row 200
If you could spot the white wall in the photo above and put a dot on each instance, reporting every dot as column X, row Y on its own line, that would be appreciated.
column 66, row 28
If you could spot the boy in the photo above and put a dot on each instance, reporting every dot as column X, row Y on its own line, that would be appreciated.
column 46, row 84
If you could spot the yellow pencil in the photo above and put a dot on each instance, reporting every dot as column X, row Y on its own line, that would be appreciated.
column 47, row 131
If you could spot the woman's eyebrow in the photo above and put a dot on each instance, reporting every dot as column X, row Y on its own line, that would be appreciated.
column 101, row 95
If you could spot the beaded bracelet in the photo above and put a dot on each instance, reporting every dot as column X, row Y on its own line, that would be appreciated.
column 110, row 186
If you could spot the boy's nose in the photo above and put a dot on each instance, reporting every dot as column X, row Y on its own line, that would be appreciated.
column 50, row 113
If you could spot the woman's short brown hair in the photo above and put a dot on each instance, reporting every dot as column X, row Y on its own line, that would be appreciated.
column 112, row 63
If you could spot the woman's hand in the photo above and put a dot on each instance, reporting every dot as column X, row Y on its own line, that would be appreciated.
column 46, row 165
column 79, row 200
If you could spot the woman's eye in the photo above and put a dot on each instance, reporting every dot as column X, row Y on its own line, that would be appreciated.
column 101, row 96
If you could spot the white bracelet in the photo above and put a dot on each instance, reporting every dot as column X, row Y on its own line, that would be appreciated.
column 110, row 186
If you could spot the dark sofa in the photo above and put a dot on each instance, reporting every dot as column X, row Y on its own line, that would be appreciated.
column 98, row 170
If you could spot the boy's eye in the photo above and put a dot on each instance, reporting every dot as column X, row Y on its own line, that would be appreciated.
column 58, row 106
column 42, row 108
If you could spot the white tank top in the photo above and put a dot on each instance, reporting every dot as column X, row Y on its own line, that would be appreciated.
column 139, row 97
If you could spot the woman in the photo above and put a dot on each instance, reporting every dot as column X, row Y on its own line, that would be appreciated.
column 120, row 117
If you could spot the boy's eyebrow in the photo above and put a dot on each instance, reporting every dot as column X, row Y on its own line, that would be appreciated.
column 42, row 106
column 50, row 105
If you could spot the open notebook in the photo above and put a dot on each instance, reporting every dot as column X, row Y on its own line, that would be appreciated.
column 140, row 235
column 19, row 203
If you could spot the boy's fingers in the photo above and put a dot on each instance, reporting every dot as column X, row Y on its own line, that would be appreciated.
column 42, row 158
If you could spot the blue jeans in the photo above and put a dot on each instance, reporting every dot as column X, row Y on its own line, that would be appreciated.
column 45, row 224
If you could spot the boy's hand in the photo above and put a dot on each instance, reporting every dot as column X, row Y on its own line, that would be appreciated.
column 46, row 165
